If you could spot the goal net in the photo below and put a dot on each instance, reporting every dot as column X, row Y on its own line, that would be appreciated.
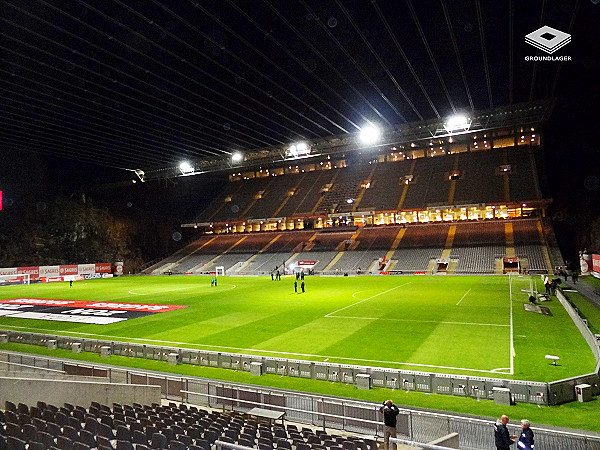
column 9, row 280
column 522, row 286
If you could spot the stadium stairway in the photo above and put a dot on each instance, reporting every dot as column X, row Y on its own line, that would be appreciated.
column 405, row 190
column 213, row 261
column 341, row 253
column 262, row 250
column 544, row 247
column 177, row 263
column 393, row 248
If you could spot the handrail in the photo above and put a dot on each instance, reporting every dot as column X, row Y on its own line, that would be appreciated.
column 47, row 369
column 417, row 444
column 266, row 389
column 318, row 413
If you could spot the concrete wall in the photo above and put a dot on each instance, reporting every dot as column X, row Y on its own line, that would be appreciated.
column 57, row 392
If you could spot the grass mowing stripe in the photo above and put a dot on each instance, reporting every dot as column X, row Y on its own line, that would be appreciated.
column 268, row 318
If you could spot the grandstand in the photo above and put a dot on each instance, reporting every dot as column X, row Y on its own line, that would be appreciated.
column 462, row 205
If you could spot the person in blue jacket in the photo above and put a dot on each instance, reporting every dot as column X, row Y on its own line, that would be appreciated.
column 525, row 441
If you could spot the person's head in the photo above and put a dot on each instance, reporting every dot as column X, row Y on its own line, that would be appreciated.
column 389, row 403
column 525, row 424
column 504, row 419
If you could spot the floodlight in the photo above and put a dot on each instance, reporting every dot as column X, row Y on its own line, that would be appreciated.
column 298, row 150
column 457, row 122
column 186, row 168
column 350, row 201
column 237, row 157
column 370, row 134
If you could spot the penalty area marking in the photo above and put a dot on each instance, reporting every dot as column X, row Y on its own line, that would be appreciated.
column 461, row 299
column 364, row 300
column 254, row 350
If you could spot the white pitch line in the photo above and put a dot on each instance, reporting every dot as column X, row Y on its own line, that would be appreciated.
column 512, row 343
column 238, row 349
column 420, row 321
column 461, row 299
column 368, row 298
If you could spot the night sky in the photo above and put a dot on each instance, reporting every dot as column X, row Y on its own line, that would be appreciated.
column 92, row 89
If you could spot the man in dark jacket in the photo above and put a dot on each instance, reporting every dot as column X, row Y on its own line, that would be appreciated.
column 526, row 437
column 503, row 439
column 389, row 411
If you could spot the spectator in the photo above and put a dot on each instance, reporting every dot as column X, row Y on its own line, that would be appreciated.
column 526, row 437
column 389, row 411
column 503, row 439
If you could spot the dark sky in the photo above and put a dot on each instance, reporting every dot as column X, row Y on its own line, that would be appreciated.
column 89, row 88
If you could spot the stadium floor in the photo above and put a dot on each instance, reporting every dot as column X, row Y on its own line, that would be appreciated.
column 452, row 324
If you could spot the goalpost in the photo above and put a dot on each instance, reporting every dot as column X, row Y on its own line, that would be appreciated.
column 220, row 271
column 9, row 280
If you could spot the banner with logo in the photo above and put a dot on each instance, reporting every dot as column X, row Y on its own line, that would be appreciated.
column 596, row 263
column 98, row 313
column 8, row 271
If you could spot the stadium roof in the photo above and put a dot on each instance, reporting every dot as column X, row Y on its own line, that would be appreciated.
column 147, row 84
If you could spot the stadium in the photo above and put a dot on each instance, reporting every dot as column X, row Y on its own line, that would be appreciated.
column 235, row 225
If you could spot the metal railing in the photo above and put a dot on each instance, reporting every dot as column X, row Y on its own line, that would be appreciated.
column 348, row 415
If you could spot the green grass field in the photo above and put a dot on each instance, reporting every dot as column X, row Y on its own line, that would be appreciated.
column 464, row 325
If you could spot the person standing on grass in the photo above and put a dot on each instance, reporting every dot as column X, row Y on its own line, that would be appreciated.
column 302, row 286
column 390, row 412
column 503, row 438
column 302, row 274
column 296, row 287
column 272, row 276
column 526, row 437
column 278, row 275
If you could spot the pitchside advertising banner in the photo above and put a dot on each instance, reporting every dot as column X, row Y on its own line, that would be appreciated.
column 596, row 263
column 54, row 273
column 97, row 313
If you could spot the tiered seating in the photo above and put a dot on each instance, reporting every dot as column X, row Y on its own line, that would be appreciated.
column 477, row 245
column 419, row 245
column 431, row 185
column 198, row 260
column 386, row 186
column 523, row 182
column 273, row 196
column 308, row 193
column 373, row 243
column 278, row 253
column 346, row 186
column 528, row 244
column 242, row 198
column 249, row 245
column 479, row 182
column 154, row 426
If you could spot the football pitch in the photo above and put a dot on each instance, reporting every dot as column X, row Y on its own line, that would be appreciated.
column 471, row 325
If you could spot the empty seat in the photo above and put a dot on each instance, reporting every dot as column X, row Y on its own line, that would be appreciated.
column 45, row 438
column 124, row 445
column 159, row 441
column 64, row 443
column 139, row 437
column 13, row 443
column 29, row 432
column 13, row 430
column 80, row 446
column 70, row 433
